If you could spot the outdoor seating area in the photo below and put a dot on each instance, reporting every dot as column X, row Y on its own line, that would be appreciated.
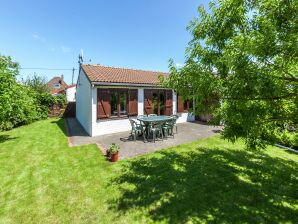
column 153, row 127
column 132, row 144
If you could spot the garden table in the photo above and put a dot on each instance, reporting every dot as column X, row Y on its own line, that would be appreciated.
column 153, row 119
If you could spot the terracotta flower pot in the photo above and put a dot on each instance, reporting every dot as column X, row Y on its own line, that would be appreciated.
column 114, row 157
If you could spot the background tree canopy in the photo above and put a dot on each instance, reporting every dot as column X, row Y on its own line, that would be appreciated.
column 22, row 102
column 242, row 66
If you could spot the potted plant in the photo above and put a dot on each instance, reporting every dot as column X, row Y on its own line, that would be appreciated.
column 113, row 152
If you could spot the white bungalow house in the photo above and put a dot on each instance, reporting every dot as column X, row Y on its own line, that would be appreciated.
column 107, row 96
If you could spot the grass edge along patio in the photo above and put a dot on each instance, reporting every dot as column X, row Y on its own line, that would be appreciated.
column 107, row 96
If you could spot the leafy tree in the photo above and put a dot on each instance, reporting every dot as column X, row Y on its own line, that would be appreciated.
column 17, row 105
column 242, row 66
column 37, row 83
column 23, row 103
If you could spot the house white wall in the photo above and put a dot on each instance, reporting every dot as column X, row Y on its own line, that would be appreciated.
column 84, row 112
column 71, row 94
column 183, row 117
column 174, row 102
column 140, row 101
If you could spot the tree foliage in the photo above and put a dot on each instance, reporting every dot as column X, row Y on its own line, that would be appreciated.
column 22, row 103
column 37, row 83
column 242, row 62
column 17, row 106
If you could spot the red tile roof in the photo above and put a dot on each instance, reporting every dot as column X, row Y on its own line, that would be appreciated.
column 100, row 73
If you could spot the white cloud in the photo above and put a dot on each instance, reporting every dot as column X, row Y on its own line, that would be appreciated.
column 38, row 37
column 35, row 36
column 179, row 65
column 65, row 49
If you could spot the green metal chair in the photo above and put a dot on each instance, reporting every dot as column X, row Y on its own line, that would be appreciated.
column 171, row 125
column 137, row 129
column 175, row 118
column 156, row 130
column 167, row 130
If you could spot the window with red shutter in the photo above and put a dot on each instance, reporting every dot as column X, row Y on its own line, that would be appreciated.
column 183, row 105
column 103, row 103
column 133, row 102
column 180, row 104
column 158, row 101
column 169, row 102
column 116, row 103
column 148, row 101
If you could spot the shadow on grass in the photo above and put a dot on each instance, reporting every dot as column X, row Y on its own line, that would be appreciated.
column 61, row 124
column 210, row 185
column 71, row 127
column 4, row 138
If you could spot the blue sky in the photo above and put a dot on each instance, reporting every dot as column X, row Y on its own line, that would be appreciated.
column 133, row 33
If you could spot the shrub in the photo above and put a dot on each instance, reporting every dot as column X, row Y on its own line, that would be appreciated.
column 285, row 137
column 22, row 103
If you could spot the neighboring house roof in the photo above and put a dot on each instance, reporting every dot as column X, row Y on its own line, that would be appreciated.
column 70, row 86
column 57, row 81
column 100, row 73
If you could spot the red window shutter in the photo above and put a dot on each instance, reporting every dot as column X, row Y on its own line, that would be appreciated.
column 133, row 102
column 103, row 103
column 148, row 101
column 169, row 102
column 180, row 104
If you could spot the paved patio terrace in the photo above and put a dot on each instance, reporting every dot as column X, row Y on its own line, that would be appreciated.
column 187, row 132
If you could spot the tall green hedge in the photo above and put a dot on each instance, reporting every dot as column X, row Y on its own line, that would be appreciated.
column 19, row 103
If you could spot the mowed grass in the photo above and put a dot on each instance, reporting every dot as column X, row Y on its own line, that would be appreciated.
column 42, row 180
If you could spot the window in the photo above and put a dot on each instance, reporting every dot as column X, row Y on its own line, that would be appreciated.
column 158, row 101
column 186, row 105
column 162, row 103
column 57, row 86
column 114, row 104
column 155, row 103
column 123, row 103
column 118, row 102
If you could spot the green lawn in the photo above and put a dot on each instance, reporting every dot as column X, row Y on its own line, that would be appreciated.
column 42, row 180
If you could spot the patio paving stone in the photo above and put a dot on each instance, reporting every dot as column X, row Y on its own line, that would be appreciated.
column 187, row 132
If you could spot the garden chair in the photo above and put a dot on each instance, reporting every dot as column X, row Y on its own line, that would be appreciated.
column 156, row 130
column 171, row 125
column 175, row 118
column 137, row 129
column 167, row 129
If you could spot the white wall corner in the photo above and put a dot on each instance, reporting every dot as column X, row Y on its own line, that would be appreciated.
column 93, row 110
column 140, row 101
column 174, row 102
column 83, row 102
